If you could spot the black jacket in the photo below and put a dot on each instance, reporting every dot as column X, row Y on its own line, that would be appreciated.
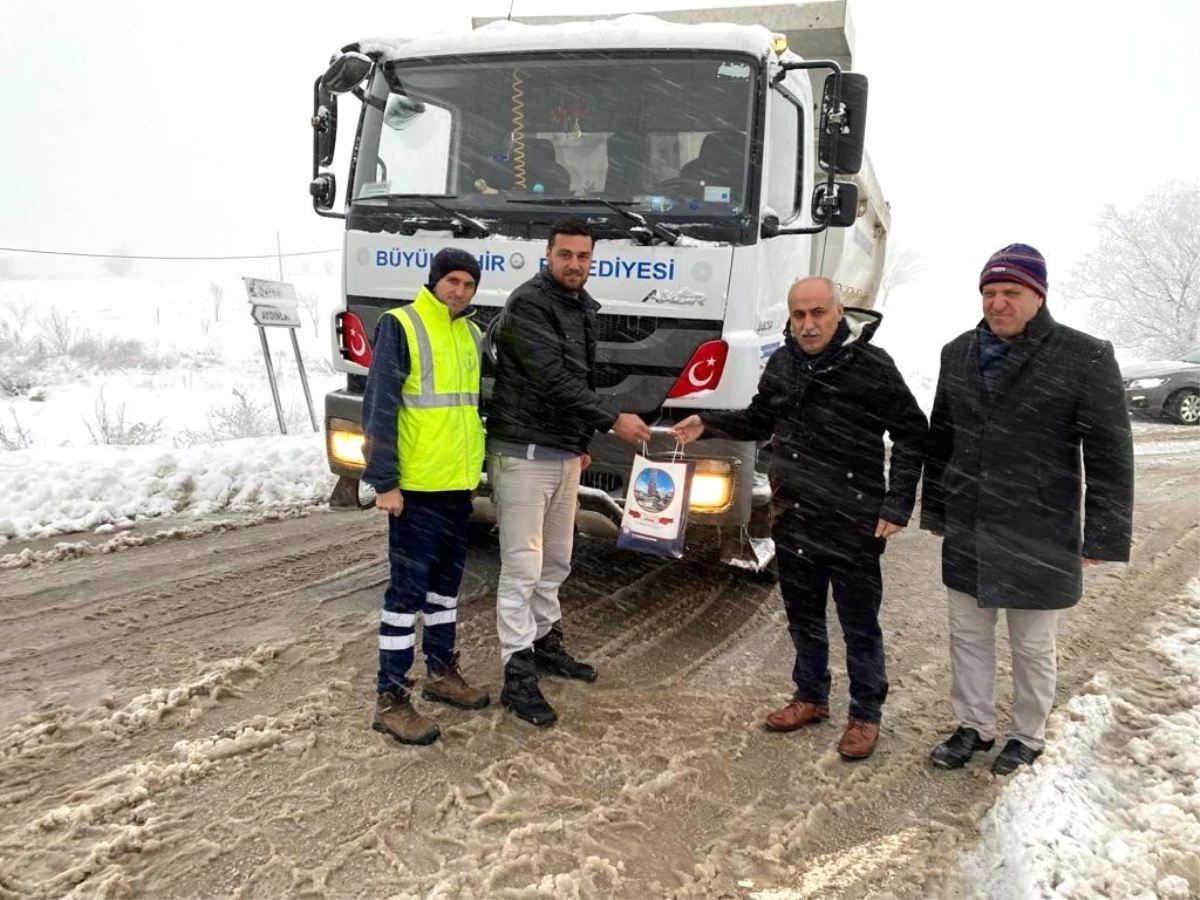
column 545, row 389
column 1002, row 475
column 828, row 415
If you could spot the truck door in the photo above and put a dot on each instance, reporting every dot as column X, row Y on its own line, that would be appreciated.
column 786, row 179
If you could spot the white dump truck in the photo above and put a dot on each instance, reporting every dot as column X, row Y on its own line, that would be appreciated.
column 718, row 155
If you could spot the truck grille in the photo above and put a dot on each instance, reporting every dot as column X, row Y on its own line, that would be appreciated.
column 609, row 482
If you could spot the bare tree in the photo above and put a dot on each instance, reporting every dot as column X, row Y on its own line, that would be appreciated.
column 17, row 437
column 58, row 332
column 902, row 266
column 20, row 308
column 119, row 263
column 216, row 295
column 110, row 426
column 1143, row 276
column 311, row 304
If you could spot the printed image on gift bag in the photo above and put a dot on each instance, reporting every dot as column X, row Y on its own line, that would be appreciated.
column 656, row 505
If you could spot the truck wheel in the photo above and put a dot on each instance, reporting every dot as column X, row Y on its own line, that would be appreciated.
column 345, row 494
column 1184, row 406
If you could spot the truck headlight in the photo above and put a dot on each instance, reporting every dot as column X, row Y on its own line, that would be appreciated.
column 1145, row 384
column 345, row 441
column 714, row 486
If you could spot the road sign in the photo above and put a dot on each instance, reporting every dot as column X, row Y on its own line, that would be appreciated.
column 275, row 316
column 273, row 305
column 273, row 293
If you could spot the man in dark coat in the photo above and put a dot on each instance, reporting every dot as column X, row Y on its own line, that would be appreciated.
column 543, row 413
column 1017, row 399
column 827, row 397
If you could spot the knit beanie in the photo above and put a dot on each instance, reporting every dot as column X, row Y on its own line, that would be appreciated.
column 451, row 259
column 1018, row 263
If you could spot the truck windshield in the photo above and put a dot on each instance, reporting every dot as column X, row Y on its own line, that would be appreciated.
column 666, row 135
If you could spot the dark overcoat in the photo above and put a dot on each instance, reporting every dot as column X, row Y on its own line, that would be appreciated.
column 826, row 417
column 1006, row 469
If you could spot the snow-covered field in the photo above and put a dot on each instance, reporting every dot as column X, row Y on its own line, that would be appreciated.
column 123, row 398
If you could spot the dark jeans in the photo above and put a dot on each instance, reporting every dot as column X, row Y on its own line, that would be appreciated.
column 427, row 550
column 857, row 593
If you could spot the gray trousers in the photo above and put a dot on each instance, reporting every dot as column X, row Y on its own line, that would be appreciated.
column 535, row 501
column 1031, row 634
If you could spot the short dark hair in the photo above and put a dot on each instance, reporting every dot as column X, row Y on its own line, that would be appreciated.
column 571, row 225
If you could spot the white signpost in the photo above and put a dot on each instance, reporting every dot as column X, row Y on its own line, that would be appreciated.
column 273, row 305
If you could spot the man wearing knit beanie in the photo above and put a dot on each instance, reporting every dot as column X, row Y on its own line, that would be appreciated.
column 1017, row 263
column 451, row 259
column 1020, row 401
column 424, row 457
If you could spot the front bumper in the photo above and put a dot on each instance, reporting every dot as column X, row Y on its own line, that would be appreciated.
column 724, row 468
column 1147, row 400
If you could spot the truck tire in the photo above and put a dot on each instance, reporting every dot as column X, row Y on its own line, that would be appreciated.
column 1184, row 406
column 345, row 494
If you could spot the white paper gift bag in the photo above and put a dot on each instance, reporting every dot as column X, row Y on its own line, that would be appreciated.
column 656, row 505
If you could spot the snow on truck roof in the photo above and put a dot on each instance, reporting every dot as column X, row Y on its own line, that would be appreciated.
column 632, row 32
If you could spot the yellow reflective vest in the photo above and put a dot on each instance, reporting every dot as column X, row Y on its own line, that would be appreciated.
column 439, row 436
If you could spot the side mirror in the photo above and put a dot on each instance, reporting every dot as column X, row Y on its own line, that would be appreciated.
column 400, row 111
column 323, row 189
column 837, row 208
column 346, row 72
column 843, row 128
column 324, row 123
column 490, row 349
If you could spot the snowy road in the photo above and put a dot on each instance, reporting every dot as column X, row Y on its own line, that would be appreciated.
column 190, row 718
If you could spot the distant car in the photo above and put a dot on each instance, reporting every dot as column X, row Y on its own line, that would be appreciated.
column 1170, row 388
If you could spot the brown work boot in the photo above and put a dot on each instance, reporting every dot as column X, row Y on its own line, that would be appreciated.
column 797, row 714
column 449, row 686
column 859, row 739
column 394, row 715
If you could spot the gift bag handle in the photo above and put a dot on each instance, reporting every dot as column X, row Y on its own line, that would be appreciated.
column 676, row 454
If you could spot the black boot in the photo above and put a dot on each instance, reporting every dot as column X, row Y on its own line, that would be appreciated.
column 521, row 693
column 553, row 659
column 1013, row 756
column 954, row 752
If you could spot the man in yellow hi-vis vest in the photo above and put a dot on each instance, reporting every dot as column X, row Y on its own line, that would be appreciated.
column 424, row 455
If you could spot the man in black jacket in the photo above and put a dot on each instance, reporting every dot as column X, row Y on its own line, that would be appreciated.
column 827, row 397
column 1018, row 398
column 544, row 411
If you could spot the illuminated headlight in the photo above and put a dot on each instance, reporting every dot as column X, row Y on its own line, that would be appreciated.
column 714, row 485
column 345, row 443
column 1145, row 384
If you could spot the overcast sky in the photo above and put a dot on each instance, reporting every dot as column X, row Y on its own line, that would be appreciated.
column 183, row 128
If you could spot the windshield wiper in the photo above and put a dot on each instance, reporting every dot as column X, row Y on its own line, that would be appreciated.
column 643, row 231
column 465, row 223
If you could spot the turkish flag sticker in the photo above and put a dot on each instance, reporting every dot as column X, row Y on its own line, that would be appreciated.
column 703, row 371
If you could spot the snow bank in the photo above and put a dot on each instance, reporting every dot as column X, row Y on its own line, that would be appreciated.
column 45, row 492
column 1112, row 809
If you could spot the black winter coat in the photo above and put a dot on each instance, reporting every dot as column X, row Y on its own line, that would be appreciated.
column 828, row 415
column 1002, row 475
column 545, row 389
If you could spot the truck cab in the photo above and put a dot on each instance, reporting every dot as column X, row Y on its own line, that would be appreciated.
column 706, row 159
